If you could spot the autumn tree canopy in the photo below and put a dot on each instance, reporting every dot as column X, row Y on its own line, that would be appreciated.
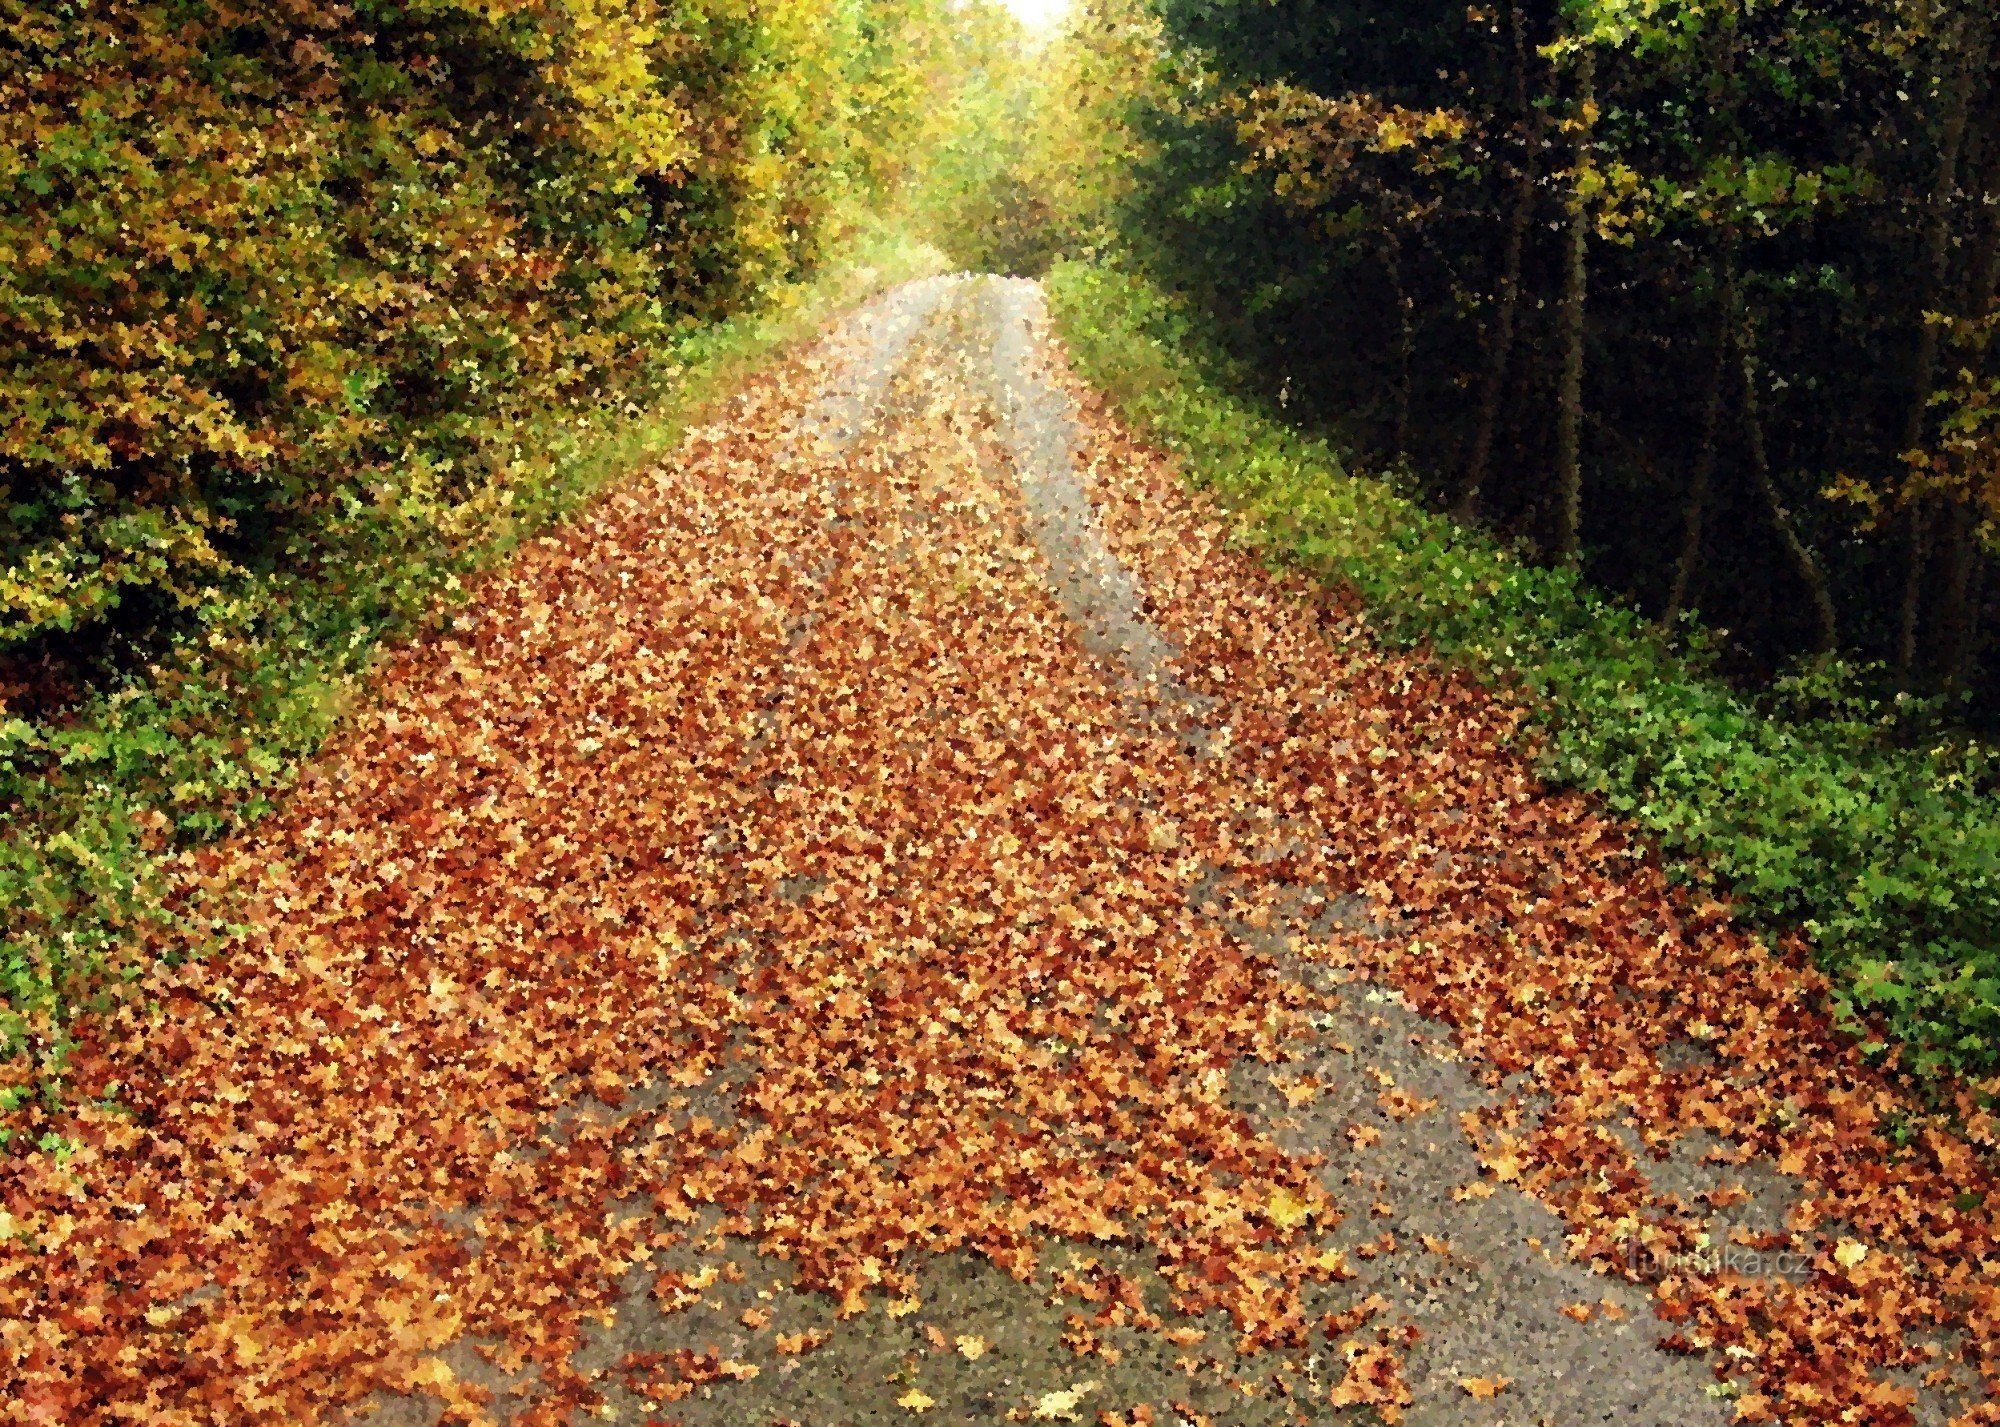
column 277, row 273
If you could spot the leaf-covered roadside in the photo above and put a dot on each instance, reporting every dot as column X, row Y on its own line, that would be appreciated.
column 1890, row 858
column 813, row 888
column 822, row 807
column 1547, row 935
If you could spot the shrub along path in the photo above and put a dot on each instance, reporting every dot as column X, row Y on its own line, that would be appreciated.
column 896, row 920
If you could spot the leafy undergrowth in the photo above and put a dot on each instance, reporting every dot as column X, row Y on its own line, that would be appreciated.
column 97, row 798
column 1890, row 858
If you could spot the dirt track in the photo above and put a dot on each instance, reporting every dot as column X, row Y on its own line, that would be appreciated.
column 890, row 919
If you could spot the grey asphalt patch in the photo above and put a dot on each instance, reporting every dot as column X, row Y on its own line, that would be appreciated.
column 1038, row 427
column 975, row 1343
column 874, row 341
column 1478, row 1267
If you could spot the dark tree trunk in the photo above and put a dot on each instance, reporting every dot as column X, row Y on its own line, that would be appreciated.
column 1958, row 612
column 1985, row 263
column 1969, row 59
column 1500, row 353
column 1406, row 338
column 1916, row 532
column 1500, row 341
column 1576, row 292
column 1694, row 514
column 1722, row 119
column 1826, row 629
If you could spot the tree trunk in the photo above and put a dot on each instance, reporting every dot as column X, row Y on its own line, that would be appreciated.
column 1406, row 343
column 1985, row 262
column 1936, row 262
column 1826, row 630
column 1958, row 612
column 1576, row 291
column 1975, row 615
column 1501, row 351
column 1500, row 343
column 1916, row 530
column 1695, row 514
column 1969, row 64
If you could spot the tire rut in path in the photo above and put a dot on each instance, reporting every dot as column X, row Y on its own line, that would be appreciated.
column 1492, row 1307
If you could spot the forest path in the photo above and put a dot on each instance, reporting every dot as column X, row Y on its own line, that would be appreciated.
column 891, row 918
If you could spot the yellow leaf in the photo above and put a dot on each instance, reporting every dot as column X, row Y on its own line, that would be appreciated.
column 1485, row 1386
column 916, row 1400
column 1061, row 1406
column 434, row 1373
column 1849, row 1254
column 1287, row 1211
column 971, row 1347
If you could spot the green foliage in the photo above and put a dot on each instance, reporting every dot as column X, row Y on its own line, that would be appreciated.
column 281, row 281
column 1808, row 812
column 1030, row 159
column 1601, row 272
column 975, row 195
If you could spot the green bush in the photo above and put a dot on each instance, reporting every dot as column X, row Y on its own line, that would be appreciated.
column 281, row 280
column 977, row 196
column 1888, row 856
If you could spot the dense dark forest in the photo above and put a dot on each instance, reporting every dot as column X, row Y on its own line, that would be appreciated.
column 1697, row 294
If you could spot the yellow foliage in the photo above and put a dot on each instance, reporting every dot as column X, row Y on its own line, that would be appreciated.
column 305, row 264
column 1310, row 143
